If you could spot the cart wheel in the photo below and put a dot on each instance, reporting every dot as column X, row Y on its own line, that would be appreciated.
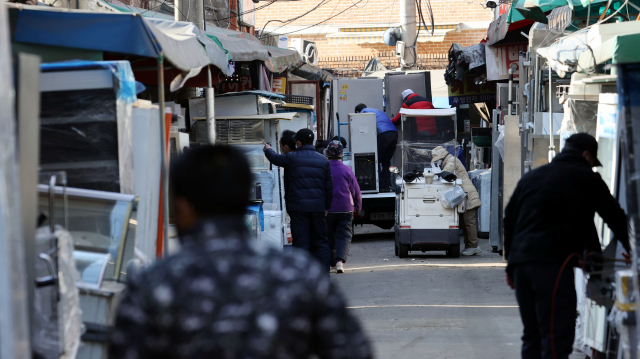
column 403, row 251
column 454, row 251
column 495, row 249
column 396, row 248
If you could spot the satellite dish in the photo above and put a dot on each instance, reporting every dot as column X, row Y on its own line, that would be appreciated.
column 392, row 36
column 311, row 54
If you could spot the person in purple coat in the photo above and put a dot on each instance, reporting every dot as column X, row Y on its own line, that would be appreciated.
column 347, row 199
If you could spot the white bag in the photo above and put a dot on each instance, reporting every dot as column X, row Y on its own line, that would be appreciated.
column 452, row 197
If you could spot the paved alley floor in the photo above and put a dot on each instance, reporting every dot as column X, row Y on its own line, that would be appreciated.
column 429, row 305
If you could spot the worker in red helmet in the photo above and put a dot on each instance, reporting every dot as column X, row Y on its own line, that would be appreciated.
column 422, row 126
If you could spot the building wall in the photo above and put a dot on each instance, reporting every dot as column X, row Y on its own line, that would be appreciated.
column 464, row 38
column 375, row 12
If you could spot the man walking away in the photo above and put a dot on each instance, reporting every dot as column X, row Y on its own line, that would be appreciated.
column 548, row 223
column 309, row 193
column 423, row 126
column 448, row 163
column 387, row 141
column 346, row 200
column 224, row 295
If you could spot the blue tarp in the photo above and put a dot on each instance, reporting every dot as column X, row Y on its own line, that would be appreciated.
column 256, row 207
column 84, row 30
column 128, row 88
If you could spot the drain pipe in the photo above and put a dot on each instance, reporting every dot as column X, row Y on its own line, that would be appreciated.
column 211, row 119
column 552, row 147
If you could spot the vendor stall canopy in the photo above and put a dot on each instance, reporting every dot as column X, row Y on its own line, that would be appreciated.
column 181, row 43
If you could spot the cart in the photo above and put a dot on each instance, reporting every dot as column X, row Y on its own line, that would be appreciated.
column 422, row 222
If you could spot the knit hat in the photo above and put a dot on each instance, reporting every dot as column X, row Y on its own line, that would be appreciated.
column 334, row 150
column 406, row 93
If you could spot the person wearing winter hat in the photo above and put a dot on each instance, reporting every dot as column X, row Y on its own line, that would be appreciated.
column 420, row 126
column 347, row 199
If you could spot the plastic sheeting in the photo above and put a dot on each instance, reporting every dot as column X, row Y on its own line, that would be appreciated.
column 481, row 179
column 579, row 116
column 417, row 156
column 88, row 132
column 57, row 324
column 452, row 197
column 313, row 73
column 272, row 234
column 14, row 325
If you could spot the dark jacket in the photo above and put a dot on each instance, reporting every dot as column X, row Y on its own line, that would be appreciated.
column 424, row 123
column 308, row 183
column 225, row 296
column 551, row 212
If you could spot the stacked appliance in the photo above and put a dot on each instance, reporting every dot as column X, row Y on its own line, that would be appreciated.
column 364, row 150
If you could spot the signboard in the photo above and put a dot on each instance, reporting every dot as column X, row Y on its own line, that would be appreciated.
column 466, row 91
column 500, row 57
column 243, row 85
column 279, row 85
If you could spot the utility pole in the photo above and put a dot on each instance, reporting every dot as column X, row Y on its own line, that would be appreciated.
column 408, row 26
column 190, row 10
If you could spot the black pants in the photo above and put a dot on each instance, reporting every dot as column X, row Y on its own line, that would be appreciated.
column 387, row 142
column 340, row 234
column 309, row 232
column 534, row 290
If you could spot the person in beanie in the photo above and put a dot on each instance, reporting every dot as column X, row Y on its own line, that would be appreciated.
column 423, row 126
column 548, row 226
column 346, row 200
column 309, row 192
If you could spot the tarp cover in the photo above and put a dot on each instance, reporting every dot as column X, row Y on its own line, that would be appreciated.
column 179, row 42
column 281, row 60
column 313, row 73
column 238, row 46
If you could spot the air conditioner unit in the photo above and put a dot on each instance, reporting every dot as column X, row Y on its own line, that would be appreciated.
column 307, row 50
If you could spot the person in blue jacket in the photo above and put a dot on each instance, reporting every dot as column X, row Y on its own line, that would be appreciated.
column 387, row 141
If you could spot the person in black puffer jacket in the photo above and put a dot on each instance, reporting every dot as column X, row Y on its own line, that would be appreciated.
column 547, row 223
column 308, row 194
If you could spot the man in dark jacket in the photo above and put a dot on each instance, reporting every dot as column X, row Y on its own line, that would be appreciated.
column 548, row 219
column 224, row 295
column 308, row 194
column 423, row 126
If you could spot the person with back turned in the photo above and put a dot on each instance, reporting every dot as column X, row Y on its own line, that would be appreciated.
column 387, row 139
column 225, row 295
column 309, row 192
column 548, row 225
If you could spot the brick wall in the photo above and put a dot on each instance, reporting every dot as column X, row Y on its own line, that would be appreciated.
column 370, row 11
column 464, row 38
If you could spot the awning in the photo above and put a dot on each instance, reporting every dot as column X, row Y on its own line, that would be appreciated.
column 443, row 112
column 615, row 42
column 506, row 23
column 238, row 46
column 313, row 73
column 288, row 116
column 373, row 37
column 583, row 50
column 128, row 34
column 282, row 59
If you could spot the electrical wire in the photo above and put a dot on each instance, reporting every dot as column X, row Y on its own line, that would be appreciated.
column 288, row 21
column 321, row 22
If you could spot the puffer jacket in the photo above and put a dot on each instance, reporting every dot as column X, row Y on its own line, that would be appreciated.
column 423, row 123
column 453, row 165
column 308, row 182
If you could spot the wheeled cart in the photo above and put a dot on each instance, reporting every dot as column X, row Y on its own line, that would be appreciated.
column 422, row 222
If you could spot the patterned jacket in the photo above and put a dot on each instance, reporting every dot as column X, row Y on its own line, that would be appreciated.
column 225, row 296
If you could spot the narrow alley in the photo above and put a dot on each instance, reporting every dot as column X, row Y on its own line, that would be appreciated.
column 429, row 305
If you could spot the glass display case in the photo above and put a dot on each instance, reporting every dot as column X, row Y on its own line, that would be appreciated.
column 99, row 224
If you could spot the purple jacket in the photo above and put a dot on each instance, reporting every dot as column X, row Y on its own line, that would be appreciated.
column 346, row 191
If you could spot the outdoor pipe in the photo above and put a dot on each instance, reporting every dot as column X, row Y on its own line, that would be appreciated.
column 163, row 159
column 536, row 87
column 552, row 147
column 211, row 119
column 510, row 95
